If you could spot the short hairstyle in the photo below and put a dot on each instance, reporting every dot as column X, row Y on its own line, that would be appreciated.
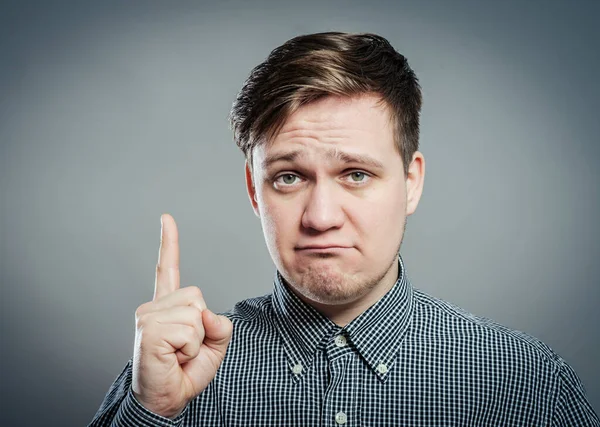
column 309, row 67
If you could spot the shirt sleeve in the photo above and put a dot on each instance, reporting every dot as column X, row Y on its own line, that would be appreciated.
column 121, row 409
column 572, row 407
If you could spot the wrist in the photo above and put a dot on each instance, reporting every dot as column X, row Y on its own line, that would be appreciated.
column 159, row 406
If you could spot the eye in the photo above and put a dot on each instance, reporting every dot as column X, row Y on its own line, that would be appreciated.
column 287, row 178
column 357, row 176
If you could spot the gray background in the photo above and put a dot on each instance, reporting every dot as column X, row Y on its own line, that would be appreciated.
column 111, row 114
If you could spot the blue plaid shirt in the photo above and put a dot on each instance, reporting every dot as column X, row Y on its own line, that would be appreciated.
column 409, row 360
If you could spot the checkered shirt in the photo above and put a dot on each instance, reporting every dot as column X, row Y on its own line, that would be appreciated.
column 409, row 360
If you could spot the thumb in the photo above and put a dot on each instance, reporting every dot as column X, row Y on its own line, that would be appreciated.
column 217, row 330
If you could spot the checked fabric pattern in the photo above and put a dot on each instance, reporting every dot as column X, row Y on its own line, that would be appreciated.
column 409, row 360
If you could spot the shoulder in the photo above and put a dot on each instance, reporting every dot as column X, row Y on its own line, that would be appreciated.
column 436, row 317
column 251, row 311
column 255, row 331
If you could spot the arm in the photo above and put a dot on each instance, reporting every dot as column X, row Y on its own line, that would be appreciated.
column 120, row 408
column 572, row 407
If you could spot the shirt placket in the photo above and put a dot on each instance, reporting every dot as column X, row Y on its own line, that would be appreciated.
column 340, row 406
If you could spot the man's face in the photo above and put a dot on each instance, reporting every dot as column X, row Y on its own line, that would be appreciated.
column 331, row 195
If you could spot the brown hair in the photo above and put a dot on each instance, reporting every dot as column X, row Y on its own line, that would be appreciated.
column 309, row 67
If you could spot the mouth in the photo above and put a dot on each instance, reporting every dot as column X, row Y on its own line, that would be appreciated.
column 322, row 249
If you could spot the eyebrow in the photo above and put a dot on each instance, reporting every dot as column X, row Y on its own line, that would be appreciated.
column 331, row 154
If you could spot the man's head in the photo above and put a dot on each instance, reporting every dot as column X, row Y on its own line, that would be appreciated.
column 329, row 124
column 310, row 67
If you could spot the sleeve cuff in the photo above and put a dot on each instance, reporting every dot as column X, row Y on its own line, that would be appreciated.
column 132, row 413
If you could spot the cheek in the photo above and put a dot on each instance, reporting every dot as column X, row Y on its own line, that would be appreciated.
column 381, row 219
column 279, row 221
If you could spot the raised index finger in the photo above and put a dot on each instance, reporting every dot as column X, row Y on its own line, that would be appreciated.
column 167, row 269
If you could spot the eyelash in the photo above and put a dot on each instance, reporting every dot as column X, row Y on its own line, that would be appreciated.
column 367, row 177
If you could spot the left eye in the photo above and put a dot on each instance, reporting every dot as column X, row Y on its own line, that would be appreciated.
column 358, row 176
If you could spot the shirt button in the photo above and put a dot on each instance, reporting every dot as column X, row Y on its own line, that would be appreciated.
column 382, row 368
column 341, row 418
column 297, row 369
column 340, row 340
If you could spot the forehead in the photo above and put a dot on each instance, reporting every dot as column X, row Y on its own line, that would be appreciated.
column 360, row 124
column 334, row 107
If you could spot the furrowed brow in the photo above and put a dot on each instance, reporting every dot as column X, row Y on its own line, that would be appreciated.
column 342, row 156
column 280, row 157
column 355, row 158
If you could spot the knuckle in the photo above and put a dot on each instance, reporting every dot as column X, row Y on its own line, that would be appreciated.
column 195, row 292
column 141, row 320
column 190, row 335
column 197, row 315
column 141, row 310
column 173, row 265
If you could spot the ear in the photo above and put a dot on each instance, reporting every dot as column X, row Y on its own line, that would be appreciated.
column 251, row 190
column 414, row 182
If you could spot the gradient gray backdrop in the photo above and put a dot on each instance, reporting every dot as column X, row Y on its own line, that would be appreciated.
column 111, row 114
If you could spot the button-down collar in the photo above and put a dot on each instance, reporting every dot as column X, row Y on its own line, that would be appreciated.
column 375, row 334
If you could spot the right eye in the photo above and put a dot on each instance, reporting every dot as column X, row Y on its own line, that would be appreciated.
column 286, row 179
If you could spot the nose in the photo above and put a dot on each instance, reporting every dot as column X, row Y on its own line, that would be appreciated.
column 323, row 209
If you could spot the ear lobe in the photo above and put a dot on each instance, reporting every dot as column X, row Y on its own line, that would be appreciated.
column 251, row 189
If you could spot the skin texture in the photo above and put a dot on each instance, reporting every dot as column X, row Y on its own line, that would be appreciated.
column 331, row 195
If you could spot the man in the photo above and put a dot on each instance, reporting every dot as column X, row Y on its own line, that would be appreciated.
column 329, row 124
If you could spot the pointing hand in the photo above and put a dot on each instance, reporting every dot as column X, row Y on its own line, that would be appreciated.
column 179, row 343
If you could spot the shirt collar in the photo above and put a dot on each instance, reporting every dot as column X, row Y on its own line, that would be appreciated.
column 375, row 334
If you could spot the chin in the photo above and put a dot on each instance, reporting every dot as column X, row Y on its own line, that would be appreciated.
column 330, row 286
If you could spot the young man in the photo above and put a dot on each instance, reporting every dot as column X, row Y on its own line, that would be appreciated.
column 329, row 124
